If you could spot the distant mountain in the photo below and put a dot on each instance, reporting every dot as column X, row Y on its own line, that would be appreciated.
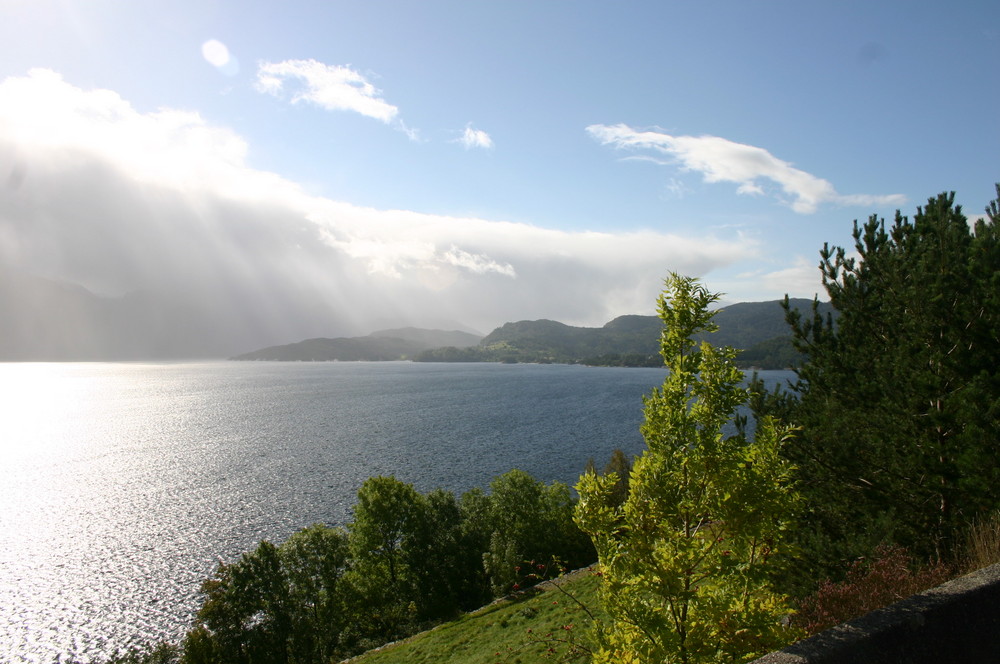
column 376, row 347
column 48, row 320
column 44, row 319
column 557, row 342
column 633, row 340
column 431, row 338
column 746, row 324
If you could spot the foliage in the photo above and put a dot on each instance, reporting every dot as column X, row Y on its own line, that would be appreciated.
column 245, row 617
column 386, row 521
column 623, row 360
column 451, row 354
column 406, row 561
column 887, row 577
column 684, row 558
column 315, row 560
column 899, row 400
column 159, row 653
column 528, row 520
column 621, row 466
column 274, row 604
column 776, row 353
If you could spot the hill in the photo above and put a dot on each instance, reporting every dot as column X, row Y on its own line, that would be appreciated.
column 520, row 628
column 633, row 340
column 376, row 347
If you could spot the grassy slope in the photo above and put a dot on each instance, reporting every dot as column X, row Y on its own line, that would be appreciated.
column 499, row 632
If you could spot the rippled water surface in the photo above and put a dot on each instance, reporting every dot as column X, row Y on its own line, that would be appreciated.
column 124, row 485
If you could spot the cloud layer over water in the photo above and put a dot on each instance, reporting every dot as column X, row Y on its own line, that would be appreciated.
column 120, row 201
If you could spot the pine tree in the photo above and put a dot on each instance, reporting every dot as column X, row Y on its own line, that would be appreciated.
column 899, row 398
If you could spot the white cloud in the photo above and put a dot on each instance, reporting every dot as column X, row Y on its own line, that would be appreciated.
column 478, row 263
column 332, row 87
column 800, row 279
column 475, row 138
column 100, row 194
column 722, row 160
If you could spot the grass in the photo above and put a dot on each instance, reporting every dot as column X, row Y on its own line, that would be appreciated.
column 982, row 545
column 518, row 630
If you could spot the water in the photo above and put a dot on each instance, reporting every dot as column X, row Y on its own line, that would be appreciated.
column 124, row 485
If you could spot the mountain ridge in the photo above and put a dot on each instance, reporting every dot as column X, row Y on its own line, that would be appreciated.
column 628, row 340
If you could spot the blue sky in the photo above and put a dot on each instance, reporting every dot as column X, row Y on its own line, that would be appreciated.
column 349, row 165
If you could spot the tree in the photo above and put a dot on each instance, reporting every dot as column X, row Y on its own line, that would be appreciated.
column 413, row 561
column 528, row 520
column 621, row 466
column 387, row 517
column 245, row 618
column 281, row 604
column 899, row 399
column 446, row 566
column 315, row 560
column 384, row 516
column 684, row 557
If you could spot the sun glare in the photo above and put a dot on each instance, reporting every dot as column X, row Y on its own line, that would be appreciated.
column 215, row 52
column 40, row 401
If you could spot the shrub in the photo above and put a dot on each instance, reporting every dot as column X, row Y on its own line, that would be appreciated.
column 887, row 577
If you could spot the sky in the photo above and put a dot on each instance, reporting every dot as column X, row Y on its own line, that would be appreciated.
column 330, row 168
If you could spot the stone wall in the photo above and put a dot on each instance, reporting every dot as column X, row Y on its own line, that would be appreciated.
column 958, row 621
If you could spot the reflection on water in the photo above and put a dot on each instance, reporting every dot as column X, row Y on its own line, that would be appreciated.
column 125, row 484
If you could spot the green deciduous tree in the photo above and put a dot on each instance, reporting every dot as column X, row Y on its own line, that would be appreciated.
column 445, row 564
column 413, row 559
column 529, row 520
column 684, row 558
column 899, row 398
column 385, row 517
column 246, row 617
column 276, row 604
column 621, row 466
column 315, row 560
column 389, row 521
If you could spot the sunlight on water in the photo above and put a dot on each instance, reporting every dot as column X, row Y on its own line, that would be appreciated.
column 39, row 402
column 75, row 506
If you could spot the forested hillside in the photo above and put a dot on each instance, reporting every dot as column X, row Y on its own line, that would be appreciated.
column 758, row 327
column 632, row 340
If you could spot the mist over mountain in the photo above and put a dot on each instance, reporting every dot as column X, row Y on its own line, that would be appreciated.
column 376, row 347
column 51, row 320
